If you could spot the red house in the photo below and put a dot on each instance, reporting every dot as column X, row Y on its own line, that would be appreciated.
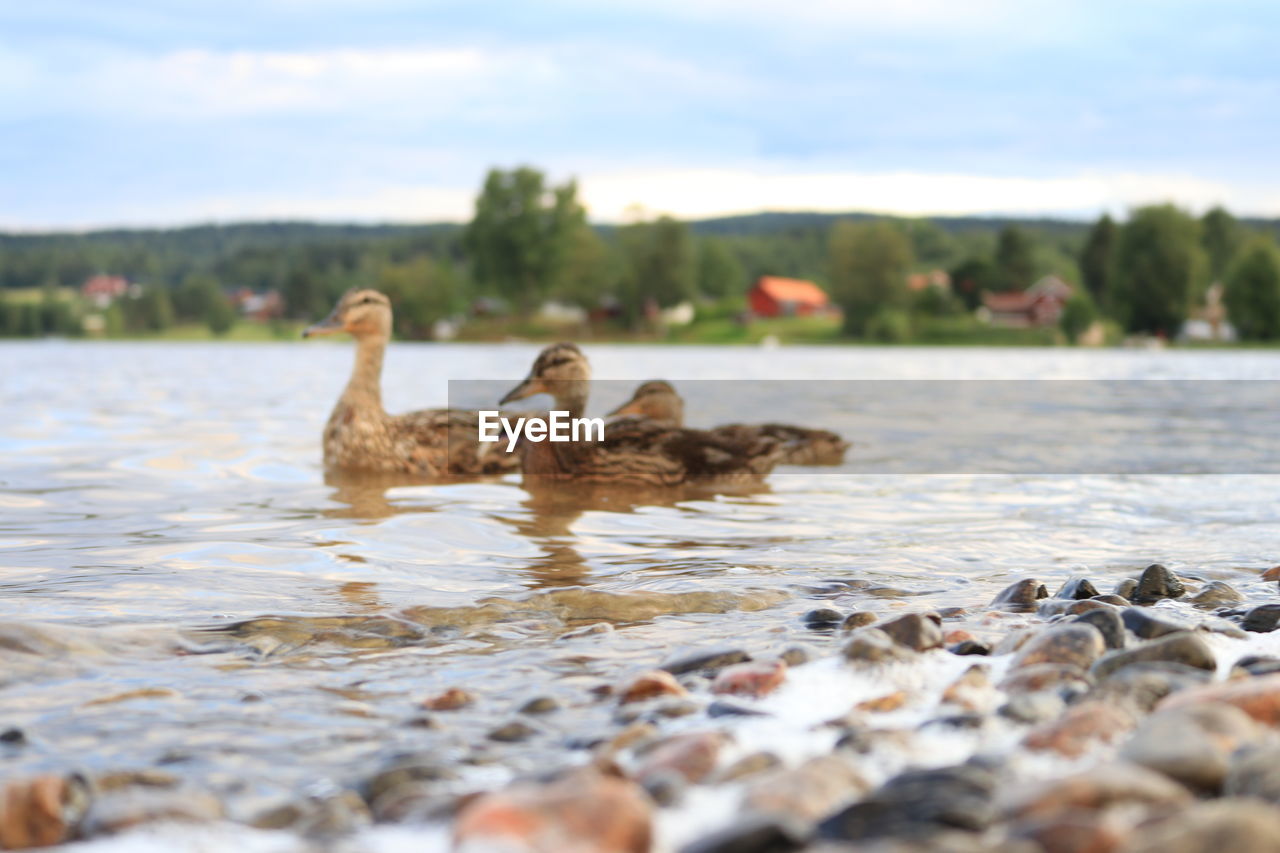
column 772, row 296
column 1040, row 304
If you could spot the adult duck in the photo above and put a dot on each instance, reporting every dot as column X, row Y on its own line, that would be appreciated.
column 632, row 452
column 361, row 436
column 657, row 401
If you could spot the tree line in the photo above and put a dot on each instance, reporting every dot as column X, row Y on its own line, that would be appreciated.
column 529, row 243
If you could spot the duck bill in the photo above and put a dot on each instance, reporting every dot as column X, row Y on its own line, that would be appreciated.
column 527, row 388
column 330, row 325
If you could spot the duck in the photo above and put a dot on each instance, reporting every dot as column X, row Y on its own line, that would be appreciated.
column 633, row 452
column 361, row 436
column 658, row 401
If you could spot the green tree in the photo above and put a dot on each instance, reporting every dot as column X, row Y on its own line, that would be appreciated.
column 1253, row 291
column 304, row 295
column 1221, row 237
column 590, row 269
column 1159, row 269
column 1078, row 315
column 970, row 279
column 519, row 237
column 149, row 311
column 719, row 273
column 1015, row 259
column 1096, row 258
column 200, row 298
column 868, row 262
column 931, row 244
column 658, row 264
column 422, row 292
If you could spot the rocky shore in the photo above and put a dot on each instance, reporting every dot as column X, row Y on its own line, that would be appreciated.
column 1138, row 718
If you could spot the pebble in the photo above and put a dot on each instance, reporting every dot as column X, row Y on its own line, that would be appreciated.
column 883, row 704
column 752, row 835
column 1020, row 596
column 450, row 700
column 41, row 811
column 648, row 685
column 1077, row 588
column 1112, row 598
column 1261, row 620
column 1191, row 745
column 1074, row 644
column 917, row 631
column 1258, row 697
column 540, row 705
column 1075, row 832
column 1143, row 685
column 407, row 770
column 512, row 732
column 1234, row 825
column 1272, row 574
column 318, row 816
column 1125, row 589
column 755, row 679
column 1258, row 665
column 721, row 708
column 1254, row 772
column 871, row 645
column 129, row 808
column 1063, row 678
column 1183, row 647
column 696, row 660
column 970, row 647
column 1098, row 788
column 918, row 803
column 858, row 619
column 1157, row 583
column 585, row 810
column 693, row 756
column 1108, row 624
column 1084, row 725
column 1216, row 594
column 796, row 655
column 823, row 619
column 1032, row 708
column 749, row 765
column 808, row 792
column 1147, row 626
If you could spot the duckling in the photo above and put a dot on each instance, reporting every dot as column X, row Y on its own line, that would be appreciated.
column 634, row 452
column 361, row 436
column 658, row 401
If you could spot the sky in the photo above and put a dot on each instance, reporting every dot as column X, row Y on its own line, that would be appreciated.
column 172, row 112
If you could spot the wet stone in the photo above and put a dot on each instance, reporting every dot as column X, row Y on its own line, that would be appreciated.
column 1258, row 697
column 755, row 679
column 1147, row 626
column 823, row 619
column 134, row 807
column 1235, row 825
column 749, row 765
column 540, row 705
column 1156, row 583
column 1032, row 708
column 1074, row 832
column 918, row 803
column 1075, row 644
column 1183, row 647
column 1098, row 788
column 649, row 685
column 858, row 619
column 13, row 736
column 1271, row 574
column 796, row 655
column 318, row 816
column 1254, row 772
column 1065, row 680
column 1111, row 598
column 1143, row 685
column 873, row 646
column 1262, row 620
column 917, row 631
column 1258, row 665
column 721, row 708
column 807, row 792
column 692, row 755
column 1108, row 624
column 1020, row 596
column 664, row 787
column 450, row 700
column 1216, row 594
column 1191, row 745
column 1077, row 588
column 696, row 660
column 41, row 811
column 407, row 770
column 1083, row 725
column 754, row 834
column 969, row 647
column 512, row 732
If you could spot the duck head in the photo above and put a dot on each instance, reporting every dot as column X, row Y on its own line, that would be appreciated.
column 560, row 370
column 656, row 401
column 360, row 313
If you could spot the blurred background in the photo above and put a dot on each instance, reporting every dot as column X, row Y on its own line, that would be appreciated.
column 694, row 171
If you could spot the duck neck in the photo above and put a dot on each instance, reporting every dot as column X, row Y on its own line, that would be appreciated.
column 572, row 397
column 364, row 389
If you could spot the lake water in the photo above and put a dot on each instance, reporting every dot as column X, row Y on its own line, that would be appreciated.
column 183, row 589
